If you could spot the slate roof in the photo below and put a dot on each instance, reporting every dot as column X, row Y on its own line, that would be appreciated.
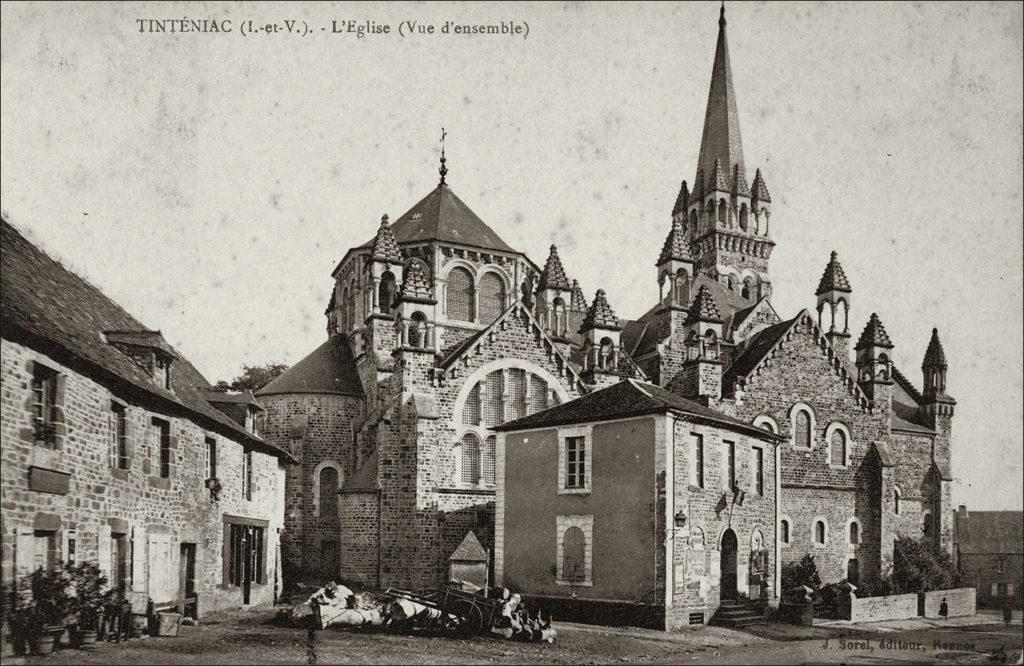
column 703, row 308
column 553, row 276
column 600, row 315
column 469, row 550
column 739, row 182
column 577, row 301
column 753, row 350
column 833, row 279
column 675, row 245
column 414, row 283
column 905, row 417
column 759, row 190
column 874, row 334
column 442, row 216
column 330, row 368
column 47, row 306
column 991, row 532
column 152, row 339
column 630, row 398
column 720, row 140
column 235, row 398
column 935, row 356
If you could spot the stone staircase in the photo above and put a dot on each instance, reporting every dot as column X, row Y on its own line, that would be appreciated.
column 736, row 613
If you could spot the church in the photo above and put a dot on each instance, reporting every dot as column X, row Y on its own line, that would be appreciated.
column 439, row 334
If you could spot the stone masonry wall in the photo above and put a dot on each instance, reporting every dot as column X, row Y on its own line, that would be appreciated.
column 101, row 498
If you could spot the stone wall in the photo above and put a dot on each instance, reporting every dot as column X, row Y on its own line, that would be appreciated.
column 101, row 500
column 877, row 609
column 960, row 602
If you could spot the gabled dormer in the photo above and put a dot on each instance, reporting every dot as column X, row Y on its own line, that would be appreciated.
column 240, row 406
column 148, row 350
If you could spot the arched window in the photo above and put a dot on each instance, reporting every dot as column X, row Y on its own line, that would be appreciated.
column 492, row 297
column 854, row 532
column 387, row 292
column 744, row 225
column 345, row 323
column 682, row 288
column 574, row 549
column 558, row 320
column 897, row 494
column 492, row 400
column 605, row 354
column 693, row 222
column 417, row 330
column 819, row 532
column 470, row 459
column 526, row 292
column 350, row 303
column 487, row 459
column 784, row 528
column 838, row 445
column 471, row 410
column 460, row 294
column 329, row 492
column 767, row 423
column 723, row 213
column 696, row 538
column 803, row 429
column 926, row 525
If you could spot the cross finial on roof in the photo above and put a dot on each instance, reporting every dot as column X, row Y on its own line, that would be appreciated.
column 443, row 170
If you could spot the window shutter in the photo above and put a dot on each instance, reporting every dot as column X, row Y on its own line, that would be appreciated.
column 693, row 460
column 995, row 590
column 24, row 547
column 172, row 455
column 103, row 547
column 128, row 443
column 112, row 429
column 139, row 579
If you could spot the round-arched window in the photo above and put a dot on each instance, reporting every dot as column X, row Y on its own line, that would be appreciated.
column 460, row 294
column 492, row 297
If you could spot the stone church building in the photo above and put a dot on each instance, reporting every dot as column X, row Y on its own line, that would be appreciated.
column 438, row 332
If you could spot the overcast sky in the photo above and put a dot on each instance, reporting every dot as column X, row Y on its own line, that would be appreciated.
column 210, row 182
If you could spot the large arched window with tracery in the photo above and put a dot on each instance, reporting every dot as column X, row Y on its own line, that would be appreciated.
column 501, row 395
column 492, row 297
column 460, row 298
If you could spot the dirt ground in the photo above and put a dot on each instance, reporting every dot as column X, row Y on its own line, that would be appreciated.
column 250, row 636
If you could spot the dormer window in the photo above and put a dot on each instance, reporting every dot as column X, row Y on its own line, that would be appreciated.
column 148, row 350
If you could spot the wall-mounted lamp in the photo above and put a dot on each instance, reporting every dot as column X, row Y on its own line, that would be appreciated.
column 680, row 519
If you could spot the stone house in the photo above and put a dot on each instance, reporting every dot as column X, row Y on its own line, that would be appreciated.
column 439, row 332
column 990, row 555
column 111, row 442
column 630, row 496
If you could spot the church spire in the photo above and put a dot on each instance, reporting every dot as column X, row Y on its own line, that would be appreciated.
column 721, row 138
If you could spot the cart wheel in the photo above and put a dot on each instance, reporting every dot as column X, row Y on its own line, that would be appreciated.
column 470, row 619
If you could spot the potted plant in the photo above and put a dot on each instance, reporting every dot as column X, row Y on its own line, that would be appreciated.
column 90, row 597
column 41, row 620
column 215, row 487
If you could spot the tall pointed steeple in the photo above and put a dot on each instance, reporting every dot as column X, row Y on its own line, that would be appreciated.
column 721, row 138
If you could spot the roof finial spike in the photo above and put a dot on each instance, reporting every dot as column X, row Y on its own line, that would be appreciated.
column 443, row 170
column 721, row 15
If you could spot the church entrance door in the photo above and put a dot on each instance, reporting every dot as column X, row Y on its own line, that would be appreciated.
column 729, row 548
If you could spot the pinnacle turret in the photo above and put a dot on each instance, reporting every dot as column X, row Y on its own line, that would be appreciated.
column 415, row 286
column 934, row 356
column 718, row 180
column 834, row 279
column 675, row 246
column 703, row 308
column 577, row 301
column 739, row 182
column 385, row 247
column 682, row 199
column 874, row 334
column 553, row 276
column 759, row 191
column 600, row 315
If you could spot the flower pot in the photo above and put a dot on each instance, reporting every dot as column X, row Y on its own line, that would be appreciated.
column 43, row 643
column 87, row 640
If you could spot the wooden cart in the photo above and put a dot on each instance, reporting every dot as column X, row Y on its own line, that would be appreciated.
column 466, row 613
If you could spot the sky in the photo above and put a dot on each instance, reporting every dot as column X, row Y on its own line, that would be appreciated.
column 210, row 182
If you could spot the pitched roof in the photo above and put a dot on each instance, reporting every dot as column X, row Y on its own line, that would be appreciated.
column 759, row 190
column 682, row 199
column 46, row 305
column 833, row 279
column 365, row 478
column 442, row 216
column 245, row 397
column 905, row 417
column 152, row 339
column 991, row 532
column 577, row 301
column 600, row 315
column 720, row 140
column 934, row 356
column 469, row 550
column 874, row 334
column 718, row 180
column 553, row 276
column 385, row 247
column 675, row 245
column 330, row 368
column 753, row 351
column 703, row 308
column 739, row 182
column 630, row 398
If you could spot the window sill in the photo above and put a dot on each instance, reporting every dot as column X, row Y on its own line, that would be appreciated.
column 466, row 491
column 695, row 489
column 574, row 491
column 821, row 546
column 575, row 583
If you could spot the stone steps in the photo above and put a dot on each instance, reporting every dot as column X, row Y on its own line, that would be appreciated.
column 734, row 613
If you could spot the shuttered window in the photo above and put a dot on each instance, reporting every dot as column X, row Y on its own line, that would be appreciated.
column 44, row 404
column 492, row 400
column 538, row 400
column 471, row 409
column 470, row 459
column 487, row 459
column 460, row 295
column 492, row 297
column 516, row 393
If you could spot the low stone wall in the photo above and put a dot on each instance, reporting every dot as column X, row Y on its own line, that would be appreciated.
column 590, row 611
column 959, row 602
column 876, row 609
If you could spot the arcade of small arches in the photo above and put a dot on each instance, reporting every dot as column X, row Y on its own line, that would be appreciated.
column 840, row 308
column 602, row 355
column 499, row 391
column 725, row 215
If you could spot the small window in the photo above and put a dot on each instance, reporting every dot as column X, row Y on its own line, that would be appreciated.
column 44, row 405
column 162, row 430
column 1001, row 565
column 470, row 459
column 45, row 553
column 759, row 470
column 803, row 429
column 784, row 531
column 896, row 495
column 698, row 460
column 575, row 462
column 695, row 619
column 838, row 448
column 247, row 474
column 854, row 533
column 211, row 458
column 819, row 532
column 730, row 464
column 487, row 459
column 118, row 419
column 926, row 525
column 329, row 492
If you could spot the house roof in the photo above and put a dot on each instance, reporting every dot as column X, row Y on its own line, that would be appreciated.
column 240, row 398
column 330, row 368
column 442, row 216
column 991, row 532
column 45, row 305
column 469, row 550
column 630, row 398
column 905, row 417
